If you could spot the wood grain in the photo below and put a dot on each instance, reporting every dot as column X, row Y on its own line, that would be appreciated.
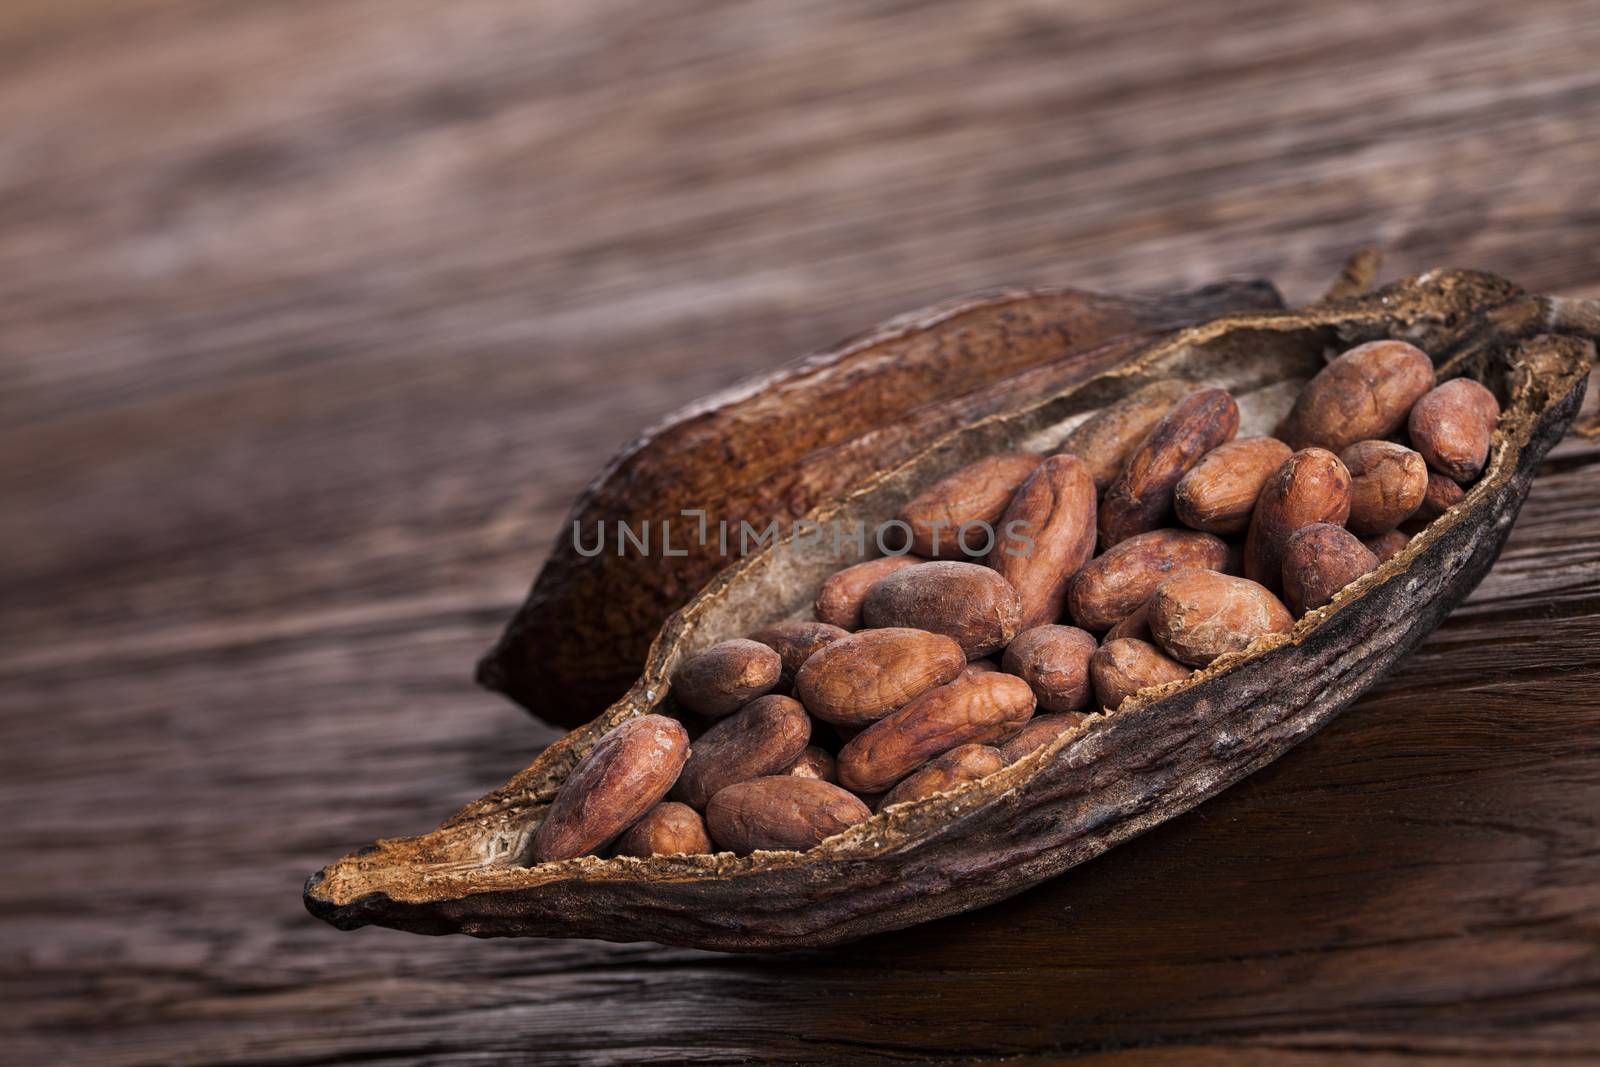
column 314, row 317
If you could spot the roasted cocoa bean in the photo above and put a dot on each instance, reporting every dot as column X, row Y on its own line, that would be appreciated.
column 626, row 773
column 1387, row 484
column 782, row 812
column 1045, row 535
column 1105, row 439
column 1054, row 661
column 967, row 602
column 973, row 709
column 1112, row 586
column 1443, row 494
column 668, row 829
column 964, row 763
column 959, row 515
column 1311, row 486
column 1365, row 393
column 1122, row 667
column 861, row 678
column 1040, row 731
column 814, row 762
column 1199, row 616
column 1140, row 498
column 763, row 738
column 1318, row 561
column 1453, row 426
column 725, row 677
column 1219, row 493
column 839, row 601
column 794, row 640
column 1387, row 545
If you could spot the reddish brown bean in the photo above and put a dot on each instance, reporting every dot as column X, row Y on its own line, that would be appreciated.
column 781, row 813
column 1365, row 393
column 1054, row 661
column 962, row 764
column 967, row 602
column 1045, row 535
column 1141, row 497
column 1113, row 586
column 1453, row 426
column 1123, row 667
column 1311, row 486
column 814, row 762
column 725, row 677
column 1199, row 616
column 794, row 640
column 973, row 498
column 1318, row 561
column 1442, row 495
column 1219, row 493
column 761, row 739
column 1386, row 546
column 1106, row 439
column 668, row 829
column 861, row 678
column 1387, row 484
column 627, row 772
column 839, row 601
column 1040, row 731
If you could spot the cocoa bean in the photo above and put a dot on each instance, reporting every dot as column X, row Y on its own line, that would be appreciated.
column 627, row 772
column 1365, row 393
column 1318, row 561
column 1040, row 731
column 1387, row 484
column 794, row 640
column 964, row 763
column 1387, row 545
column 814, row 762
column 1105, row 439
column 1453, row 426
column 1121, row 668
column 781, row 813
column 861, row 678
column 1140, row 498
column 668, row 829
column 839, row 601
column 1045, row 535
column 763, row 738
column 1112, row 586
column 1311, row 486
column 959, row 515
column 1199, row 616
column 967, row 602
column 725, row 677
column 1054, row 661
column 1219, row 493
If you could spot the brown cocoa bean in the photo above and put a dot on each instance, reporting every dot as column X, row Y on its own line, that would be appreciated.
column 1387, row 545
column 668, row 829
column 814, row 762
column 1136, row 623
column 973, row 498
column 1199, row 616
column 1443, row 494
column 1387, row 484
column 794, row 640
column 1318, row 561
column 725, row 677
column 973, row 709
column 1140, row 498
column 964, row 763
column 861, row 678
column 1219, row 493
column 1453, row 426
column 1045, row 535
column 1122, row 667
column 1112, row 586
column 982, row 666
column 839, row 601
column 1311, row 486
column 1365, row 393
column 1105, row 439
column 967, row 602
column 627, row 772
column 781, row 813
column 1040, row 731
column 1054, row 661
column 763, row 738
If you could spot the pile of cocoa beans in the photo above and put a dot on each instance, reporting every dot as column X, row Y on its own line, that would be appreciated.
column 892, row 692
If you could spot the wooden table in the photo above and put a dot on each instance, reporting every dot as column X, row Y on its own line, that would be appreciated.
column 314, row 317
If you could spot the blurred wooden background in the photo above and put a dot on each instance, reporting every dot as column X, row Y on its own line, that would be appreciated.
column 314, row 317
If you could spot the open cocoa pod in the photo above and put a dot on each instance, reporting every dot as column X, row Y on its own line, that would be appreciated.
column 1110, row 777
column 774, row 448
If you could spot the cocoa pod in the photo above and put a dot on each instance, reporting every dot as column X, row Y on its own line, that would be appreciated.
column 814, row 762
column 1130, row 771
column 1040, row 731
column 943, row 516
column 763, row 738
column 668, row 829
column 1318, row 561
column 1045, row 536
column 1140, row 499
column 962, row 764
column 863, row 677
column 839, row 601
column 1311, row 486
column 794, row 640
column 1199, row 616
column 972, row 709
column 782, row 444
column 726, row 677
column 1219, row 492
column 1107, row 438
column 967, row 602
column 1121, row 668
column 781, row 813
column 1453, row 426
column 1114, row 585
column 1386, row 546
column 1054, row 661
column 1387, row 484
column 1364, row 394
column 621, row 778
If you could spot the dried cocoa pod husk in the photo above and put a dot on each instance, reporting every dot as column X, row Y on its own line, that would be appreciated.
column 777, row 446
column 1116, row 775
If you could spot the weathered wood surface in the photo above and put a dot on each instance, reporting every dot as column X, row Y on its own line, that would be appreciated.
column 313, row 317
